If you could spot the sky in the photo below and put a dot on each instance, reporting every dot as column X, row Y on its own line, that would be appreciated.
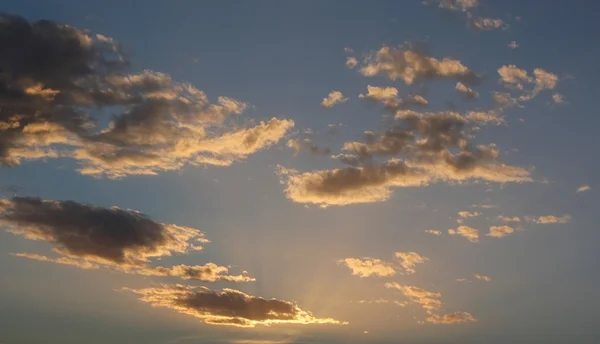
column 299, row 172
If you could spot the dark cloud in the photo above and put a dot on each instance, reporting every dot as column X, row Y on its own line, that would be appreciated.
column 416, row 149
column 54, row 78
column 228, row 306
column 87, row 236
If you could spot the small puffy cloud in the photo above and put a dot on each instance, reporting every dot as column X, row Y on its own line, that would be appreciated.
column 407, row 63
column 500, row 231
column 228, row 306
column 90, row 237
column 558, row 98
column 482, row 277
column 549, row 219
column 351, row 62
column 466, row 90
column 367, row 267
column 433, row 232
column 488, row 23
column 513, row 45
column 380, row 93
column 408, row 261
column 335, row 97
column 432, row 304
column 467, row 232
column 466, row 214
column 511, row 74
column 583, row 188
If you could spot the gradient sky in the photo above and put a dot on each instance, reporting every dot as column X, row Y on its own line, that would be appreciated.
column 349, row 251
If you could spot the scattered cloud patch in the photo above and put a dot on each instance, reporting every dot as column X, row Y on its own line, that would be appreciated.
column 513, row 45
column 466, row 90
column 482, row 277
column 433, row 232
column 466, row 214
column 431, row 303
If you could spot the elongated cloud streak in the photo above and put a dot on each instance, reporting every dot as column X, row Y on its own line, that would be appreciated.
column 228, row 306
column 91, row 237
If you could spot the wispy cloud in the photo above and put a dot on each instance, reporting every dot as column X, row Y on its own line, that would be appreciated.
column 431, row 303
column 549, row 219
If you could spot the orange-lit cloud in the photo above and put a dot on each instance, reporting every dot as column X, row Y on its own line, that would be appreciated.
column 583, row 188
column 549, row 219
column 159, row 124
column 367, row 267
column 91, row 237
column 408, row 261
column 228, row 306
column 467, row 232
column 407, row 63
column 431, row 303
column 335, row 97
column 500, row 231
column 433, row 232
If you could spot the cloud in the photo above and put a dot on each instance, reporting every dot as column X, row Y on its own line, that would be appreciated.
column 485, row 117
column 431, row 303
column 514, row 78
column 228, row 306
column 458, row 5
column 89, row 237
column 408, row 261
column 466, row 90
column 389, row 97
column 549, row 219
column 469, row 233
column 57, row 73
column 418, row 149
column 407, row 63
column 452, row 318
column 509, row 219
column 433, row 232
column 382, row 301
column 306, row 144
column 488, row 23
column 558, row 98
column 463, row 280
column 583, row 188
column 466, row 214
column 351, row 62
column 482, row 277
column 500, row 231
column 513, row 45
column 334, row 97
column 367, row 267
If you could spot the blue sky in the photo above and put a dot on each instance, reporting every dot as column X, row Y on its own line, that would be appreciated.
column 304, row 247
